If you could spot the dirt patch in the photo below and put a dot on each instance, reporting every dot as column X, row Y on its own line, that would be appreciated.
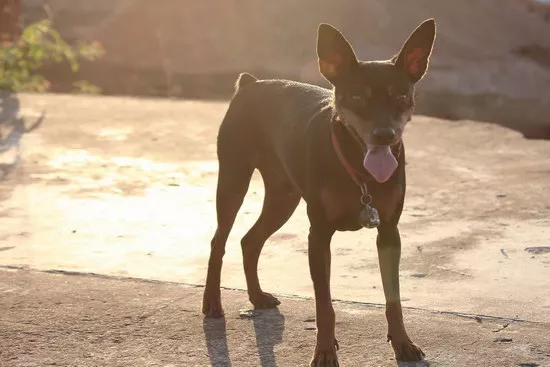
column 435, row 259
column 536, row 53
column 539, row 250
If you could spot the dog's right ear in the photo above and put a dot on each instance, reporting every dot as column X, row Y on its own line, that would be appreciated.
column 415, row 53
column 336, row 57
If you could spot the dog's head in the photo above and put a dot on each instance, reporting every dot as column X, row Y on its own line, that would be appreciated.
column 375, row 99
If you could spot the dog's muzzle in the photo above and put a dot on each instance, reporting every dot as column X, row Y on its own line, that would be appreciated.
column 379, row 160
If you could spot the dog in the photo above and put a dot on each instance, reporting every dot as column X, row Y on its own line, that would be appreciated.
column 340, row 150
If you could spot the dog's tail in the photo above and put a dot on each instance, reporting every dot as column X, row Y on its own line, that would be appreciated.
column 243, row 80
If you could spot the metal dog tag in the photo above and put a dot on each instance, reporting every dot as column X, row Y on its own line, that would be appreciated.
column 368, row 217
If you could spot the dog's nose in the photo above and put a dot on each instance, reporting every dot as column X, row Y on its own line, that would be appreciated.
column 383, row 135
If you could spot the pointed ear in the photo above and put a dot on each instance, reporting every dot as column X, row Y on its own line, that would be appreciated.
column 336, row 57
column 415, row 53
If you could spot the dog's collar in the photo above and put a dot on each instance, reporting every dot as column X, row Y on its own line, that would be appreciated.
column 357, row 176
column 354, row 174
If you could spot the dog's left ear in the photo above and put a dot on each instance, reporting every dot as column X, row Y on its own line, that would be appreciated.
column 415, row 53
column 336, row 56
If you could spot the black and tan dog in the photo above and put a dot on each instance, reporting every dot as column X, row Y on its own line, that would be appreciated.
column 341, row 151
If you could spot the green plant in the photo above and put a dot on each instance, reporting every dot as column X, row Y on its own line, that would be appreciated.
column 85, row 87
column 38, row 45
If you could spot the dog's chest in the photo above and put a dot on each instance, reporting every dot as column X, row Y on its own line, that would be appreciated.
column 342, row 206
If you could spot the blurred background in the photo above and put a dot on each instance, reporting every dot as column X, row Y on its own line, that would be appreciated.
column 491, row 59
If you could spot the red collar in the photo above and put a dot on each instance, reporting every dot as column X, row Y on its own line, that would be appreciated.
column 358, row 177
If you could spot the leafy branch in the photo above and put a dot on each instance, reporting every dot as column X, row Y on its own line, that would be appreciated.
column 38, row 45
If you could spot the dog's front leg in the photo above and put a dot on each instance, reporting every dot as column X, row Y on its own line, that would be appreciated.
column 319, row 267
column 388, row 244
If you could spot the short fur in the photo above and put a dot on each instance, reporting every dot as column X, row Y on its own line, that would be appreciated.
column 244, row 79
column 283, row 128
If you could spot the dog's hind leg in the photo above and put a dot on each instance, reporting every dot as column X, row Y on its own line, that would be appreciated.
column 235, row 171
column 280, row 202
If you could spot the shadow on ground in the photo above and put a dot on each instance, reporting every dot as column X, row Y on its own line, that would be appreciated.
column 269, row 326
column 12, row 129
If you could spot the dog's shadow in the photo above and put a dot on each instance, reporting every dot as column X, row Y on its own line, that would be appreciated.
column 216, row 341
column 423, row 363
column 269, row 326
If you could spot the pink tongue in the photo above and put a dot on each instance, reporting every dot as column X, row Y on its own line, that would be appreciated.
column 380, row 163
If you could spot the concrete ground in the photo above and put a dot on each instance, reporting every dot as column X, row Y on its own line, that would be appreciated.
column 63, row 320
column 124, row 187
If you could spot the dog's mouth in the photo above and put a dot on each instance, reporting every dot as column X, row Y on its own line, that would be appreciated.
column 380, row 162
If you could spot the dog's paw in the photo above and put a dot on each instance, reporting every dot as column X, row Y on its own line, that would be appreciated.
column 326, row 357
column 407, row 351
column 264, row 300
column 212, row 306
